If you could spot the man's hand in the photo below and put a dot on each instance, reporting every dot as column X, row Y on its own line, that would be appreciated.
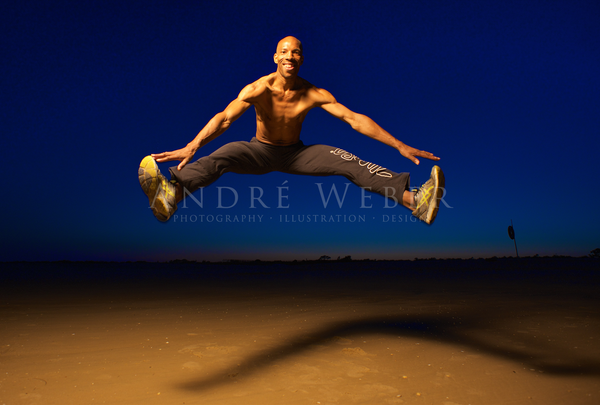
column 411, row 153
column 184, row 155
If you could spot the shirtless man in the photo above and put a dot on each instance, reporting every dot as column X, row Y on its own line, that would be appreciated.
column 282, row 100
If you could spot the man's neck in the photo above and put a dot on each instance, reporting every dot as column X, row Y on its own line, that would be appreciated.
column 285, row 83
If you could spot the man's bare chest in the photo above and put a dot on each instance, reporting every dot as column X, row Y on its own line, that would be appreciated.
column 282, row 107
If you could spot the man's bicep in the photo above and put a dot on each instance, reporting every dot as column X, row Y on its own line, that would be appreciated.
column 235, row 109
column 339, row 111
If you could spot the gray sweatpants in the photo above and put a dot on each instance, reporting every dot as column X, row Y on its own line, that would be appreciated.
column 256, row 157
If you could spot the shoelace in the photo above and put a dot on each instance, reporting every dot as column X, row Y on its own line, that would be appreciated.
column 426, row 193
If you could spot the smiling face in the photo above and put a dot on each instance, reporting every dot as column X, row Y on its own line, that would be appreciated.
column 288, row 57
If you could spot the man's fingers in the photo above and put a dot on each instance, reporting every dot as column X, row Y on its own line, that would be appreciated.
column 158, row 156
column 164, row 157
column 183, row 163
column 412, row 153
column 427, row 155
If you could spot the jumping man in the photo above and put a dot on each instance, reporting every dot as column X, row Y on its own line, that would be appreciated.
column 281, row 100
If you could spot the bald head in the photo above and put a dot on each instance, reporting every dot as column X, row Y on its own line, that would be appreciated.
column 292, row 42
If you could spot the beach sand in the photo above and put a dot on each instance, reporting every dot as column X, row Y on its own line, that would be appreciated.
column 442, row 332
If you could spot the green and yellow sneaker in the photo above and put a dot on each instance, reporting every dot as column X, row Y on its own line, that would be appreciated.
column 160, row 192
column 428, row 196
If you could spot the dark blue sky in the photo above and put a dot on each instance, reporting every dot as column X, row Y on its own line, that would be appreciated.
column 506, row 93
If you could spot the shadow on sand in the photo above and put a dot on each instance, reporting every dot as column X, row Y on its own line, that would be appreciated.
column 472, row 329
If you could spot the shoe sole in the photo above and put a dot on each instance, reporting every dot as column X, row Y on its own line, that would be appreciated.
column 438, row 191
column 148, row 175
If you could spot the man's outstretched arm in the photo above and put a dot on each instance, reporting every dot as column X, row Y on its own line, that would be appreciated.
column 215, row 127
column 370, row 128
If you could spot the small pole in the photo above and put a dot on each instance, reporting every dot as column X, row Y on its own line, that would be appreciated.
column 511, row 234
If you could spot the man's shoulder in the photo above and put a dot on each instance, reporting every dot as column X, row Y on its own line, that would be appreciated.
column 304, row 84
column 320, row 96
column 317, row 94
column 256, row 88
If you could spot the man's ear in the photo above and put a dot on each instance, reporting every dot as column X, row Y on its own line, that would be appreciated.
column 275, row 58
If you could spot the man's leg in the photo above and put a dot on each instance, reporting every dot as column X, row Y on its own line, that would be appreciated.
column 322, row 160
column 235, row 157
column 164, row 195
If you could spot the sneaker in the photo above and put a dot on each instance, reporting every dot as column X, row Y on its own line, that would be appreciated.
column 428, row 196
column 160, row 192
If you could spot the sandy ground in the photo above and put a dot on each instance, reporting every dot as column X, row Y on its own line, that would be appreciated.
column 503, row 332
